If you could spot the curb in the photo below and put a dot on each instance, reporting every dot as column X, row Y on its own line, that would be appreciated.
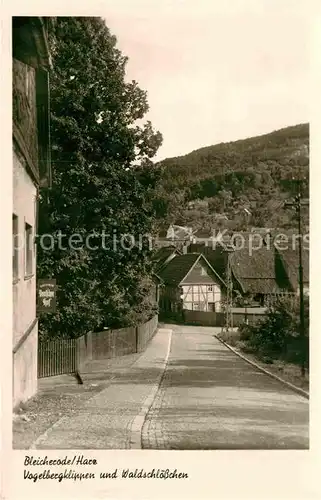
column 296, row 389
column 139, row 420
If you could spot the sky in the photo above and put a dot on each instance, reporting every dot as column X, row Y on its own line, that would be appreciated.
column 216, row 71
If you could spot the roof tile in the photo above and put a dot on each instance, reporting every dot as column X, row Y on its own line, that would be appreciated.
column 177, row 268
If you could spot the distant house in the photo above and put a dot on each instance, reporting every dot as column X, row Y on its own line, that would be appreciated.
column 260, row 275
column 202, row 236
column 162, row 241
column 178, row 236
column 179, row 233
column 263, row 274
column 190, row 282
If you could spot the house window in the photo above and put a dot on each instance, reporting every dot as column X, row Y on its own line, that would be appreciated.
column 15, row 248
column 28, row 250
column 210, row 288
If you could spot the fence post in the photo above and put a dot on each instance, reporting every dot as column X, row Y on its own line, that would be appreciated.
column 77, row 354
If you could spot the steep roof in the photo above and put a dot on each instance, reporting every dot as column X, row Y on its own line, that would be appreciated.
column 216, row 256
column 177, row 268
column 287, row 247
column 156, row 278
column 267, row 270
column 203, row 233
column 290, row 259
column 162, row 254
column 259, row 285
column 258, row 265
column 259, row 272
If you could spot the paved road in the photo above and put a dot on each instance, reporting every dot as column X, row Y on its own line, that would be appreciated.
column 209, row 398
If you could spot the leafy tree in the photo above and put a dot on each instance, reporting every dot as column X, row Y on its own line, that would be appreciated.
column 103, row 180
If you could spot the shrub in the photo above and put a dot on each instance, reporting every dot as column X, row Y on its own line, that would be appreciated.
column 244, row 331
column 278, row 336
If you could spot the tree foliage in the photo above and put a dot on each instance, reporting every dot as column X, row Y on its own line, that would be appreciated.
column 278, row 336
column 103, row 181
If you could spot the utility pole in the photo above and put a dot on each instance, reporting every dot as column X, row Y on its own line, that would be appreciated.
column 229, row 290
column 297, row 204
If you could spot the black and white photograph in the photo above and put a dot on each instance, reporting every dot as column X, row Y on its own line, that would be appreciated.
column 160, row 229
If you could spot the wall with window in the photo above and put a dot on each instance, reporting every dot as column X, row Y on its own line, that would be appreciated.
column 31, row 170
column 24, row 282
column 24, row 268
column 202, row 297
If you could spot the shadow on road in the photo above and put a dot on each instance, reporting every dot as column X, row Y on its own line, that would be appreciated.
column 206, row 370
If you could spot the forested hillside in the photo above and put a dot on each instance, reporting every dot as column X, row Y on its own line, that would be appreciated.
column 253, row 174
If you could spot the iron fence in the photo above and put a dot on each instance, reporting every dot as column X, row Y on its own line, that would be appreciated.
column 56, row 357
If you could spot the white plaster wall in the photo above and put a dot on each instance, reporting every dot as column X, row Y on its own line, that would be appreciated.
column 24, row 289
column 25, row 376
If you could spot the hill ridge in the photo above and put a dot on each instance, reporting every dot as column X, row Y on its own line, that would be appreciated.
column 252, row 173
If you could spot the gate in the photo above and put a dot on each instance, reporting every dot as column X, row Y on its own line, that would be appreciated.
column 56, row 357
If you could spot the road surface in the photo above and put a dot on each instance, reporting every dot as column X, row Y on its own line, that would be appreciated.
column 210, row 398
column 187, row 391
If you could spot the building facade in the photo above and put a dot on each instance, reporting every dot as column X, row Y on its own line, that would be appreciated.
column 201, row 289
column 191, row 283
column 31, row 172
